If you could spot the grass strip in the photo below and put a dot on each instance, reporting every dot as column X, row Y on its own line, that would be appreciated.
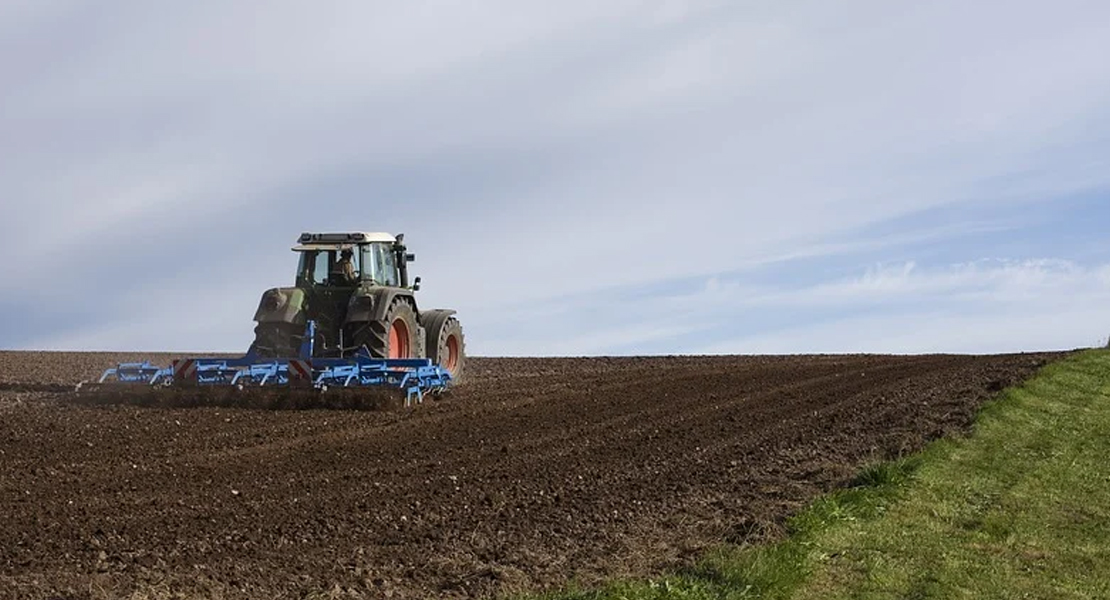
column 1018, row 509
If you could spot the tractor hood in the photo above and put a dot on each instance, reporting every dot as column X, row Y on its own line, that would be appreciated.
column 281, row 305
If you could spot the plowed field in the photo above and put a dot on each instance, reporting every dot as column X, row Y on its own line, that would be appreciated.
column 533, row 473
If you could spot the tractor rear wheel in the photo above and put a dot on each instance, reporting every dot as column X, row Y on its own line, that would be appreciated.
column 446, row 345
column 392, row 337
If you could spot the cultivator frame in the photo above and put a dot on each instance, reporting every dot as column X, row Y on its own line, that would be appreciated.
column 413, row 377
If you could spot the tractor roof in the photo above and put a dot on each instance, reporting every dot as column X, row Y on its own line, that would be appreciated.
column 332, row 241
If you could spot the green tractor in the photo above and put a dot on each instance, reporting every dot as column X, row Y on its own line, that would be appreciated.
column 356, row 288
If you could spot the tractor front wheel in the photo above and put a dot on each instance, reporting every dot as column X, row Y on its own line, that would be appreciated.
column 446, row 345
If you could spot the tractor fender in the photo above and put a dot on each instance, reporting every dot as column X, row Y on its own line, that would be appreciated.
column 281, row 305
column 372, row 303
column 431, row 324
column 433, row 320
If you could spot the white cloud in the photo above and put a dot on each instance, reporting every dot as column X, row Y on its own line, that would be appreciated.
column 987, row 306
column 1029, row 328
column 990, row 280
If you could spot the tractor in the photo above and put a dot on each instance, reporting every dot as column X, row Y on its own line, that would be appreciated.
column 355, row 288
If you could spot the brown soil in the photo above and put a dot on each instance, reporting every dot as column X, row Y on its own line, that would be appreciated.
column 533, row 473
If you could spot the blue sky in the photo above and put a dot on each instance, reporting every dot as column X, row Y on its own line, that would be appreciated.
column 618, row 177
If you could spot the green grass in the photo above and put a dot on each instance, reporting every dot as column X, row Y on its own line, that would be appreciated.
column 1019, row 509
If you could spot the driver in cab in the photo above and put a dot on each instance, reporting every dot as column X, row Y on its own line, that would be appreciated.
column 343, row 272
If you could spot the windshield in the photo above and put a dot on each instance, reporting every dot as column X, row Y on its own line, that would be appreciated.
column 379, row 264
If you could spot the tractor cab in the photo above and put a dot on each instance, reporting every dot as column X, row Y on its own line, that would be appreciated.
column 375, row 259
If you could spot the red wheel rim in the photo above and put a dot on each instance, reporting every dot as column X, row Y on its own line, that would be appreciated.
column 399, row 339
column 452, row 353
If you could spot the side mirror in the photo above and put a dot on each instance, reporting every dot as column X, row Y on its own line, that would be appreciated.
column 410, row 257
column 416, row 284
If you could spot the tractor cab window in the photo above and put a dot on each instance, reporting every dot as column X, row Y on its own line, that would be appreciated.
column 319, row 268
column 379, row 265
column 313, row 269
column 389, row 266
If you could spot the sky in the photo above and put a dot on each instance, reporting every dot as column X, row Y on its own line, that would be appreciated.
column 584, row 177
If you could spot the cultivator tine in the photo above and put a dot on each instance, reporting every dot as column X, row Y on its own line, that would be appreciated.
column 143, row 372
column 261, row 374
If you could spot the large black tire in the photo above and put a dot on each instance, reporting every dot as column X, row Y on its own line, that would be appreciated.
column 446, row 344
column 395, row 336
column 277, row 340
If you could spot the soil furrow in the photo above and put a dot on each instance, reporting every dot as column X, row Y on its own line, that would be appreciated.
column 534, row 472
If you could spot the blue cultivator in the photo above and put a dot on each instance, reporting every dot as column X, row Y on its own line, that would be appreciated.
column 414, row 377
